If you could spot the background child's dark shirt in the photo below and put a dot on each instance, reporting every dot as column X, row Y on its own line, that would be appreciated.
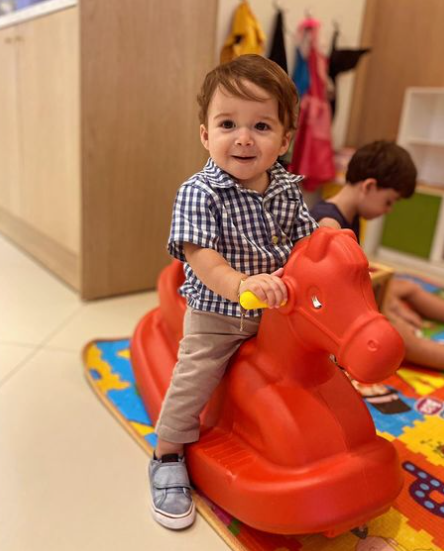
column 324, row 209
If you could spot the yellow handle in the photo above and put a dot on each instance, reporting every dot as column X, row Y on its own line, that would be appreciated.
column 249, row 301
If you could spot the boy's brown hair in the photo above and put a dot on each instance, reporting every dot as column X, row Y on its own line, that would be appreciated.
column 388, row 163
column 260, row 71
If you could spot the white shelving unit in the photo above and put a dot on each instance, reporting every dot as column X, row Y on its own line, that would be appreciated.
column 421, row 133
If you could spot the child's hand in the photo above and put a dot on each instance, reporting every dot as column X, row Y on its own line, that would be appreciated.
column 268, row 288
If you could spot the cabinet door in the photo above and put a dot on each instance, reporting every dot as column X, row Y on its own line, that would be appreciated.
column 142, row 68
column 9, row 131
column 49, row 107
column 407, row 49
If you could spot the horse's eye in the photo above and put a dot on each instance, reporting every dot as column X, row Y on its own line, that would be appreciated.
column 316, row 303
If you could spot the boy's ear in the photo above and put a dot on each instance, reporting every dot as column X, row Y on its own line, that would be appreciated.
column 204, row 136
column 285, row 143
column 369, row 184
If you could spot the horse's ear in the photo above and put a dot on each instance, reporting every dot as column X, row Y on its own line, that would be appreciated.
column 350, row 233
column 318, row 243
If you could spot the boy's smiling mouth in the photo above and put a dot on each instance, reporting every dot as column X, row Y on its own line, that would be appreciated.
column 243, row 159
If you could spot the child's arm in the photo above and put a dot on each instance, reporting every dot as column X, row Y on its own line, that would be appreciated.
column 422, row 351
column 410, row 301
column 215, row 272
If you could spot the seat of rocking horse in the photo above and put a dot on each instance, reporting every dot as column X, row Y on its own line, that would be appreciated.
column 287, row 445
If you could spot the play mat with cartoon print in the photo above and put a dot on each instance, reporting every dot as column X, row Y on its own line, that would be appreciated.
column 408, row 410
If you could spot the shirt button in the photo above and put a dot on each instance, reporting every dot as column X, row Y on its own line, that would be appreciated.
column 275, row 239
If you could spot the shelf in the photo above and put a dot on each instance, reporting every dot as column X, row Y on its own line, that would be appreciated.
column 426, row 91
column 392, row 257
column 434, row 189
column 422, row 119
column 429, row 161
column 426, row 142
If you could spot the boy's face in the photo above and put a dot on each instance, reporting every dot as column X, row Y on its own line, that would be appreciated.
column 244, row 137
column 376, row 201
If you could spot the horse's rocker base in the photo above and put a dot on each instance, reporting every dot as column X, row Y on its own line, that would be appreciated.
column 287, row 444
column 314, row 499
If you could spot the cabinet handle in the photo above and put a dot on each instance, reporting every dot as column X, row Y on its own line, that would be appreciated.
column 19, row 38
column 8, row 40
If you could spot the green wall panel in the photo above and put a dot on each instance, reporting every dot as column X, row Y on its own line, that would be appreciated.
column 410, row 227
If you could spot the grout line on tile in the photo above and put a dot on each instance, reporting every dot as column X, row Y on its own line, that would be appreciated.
column 61, row 326
column 55, row 348
column 38, row 348
column 18, row 367
column 20, row 344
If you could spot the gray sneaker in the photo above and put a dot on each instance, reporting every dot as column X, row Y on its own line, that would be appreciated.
column 171, row 500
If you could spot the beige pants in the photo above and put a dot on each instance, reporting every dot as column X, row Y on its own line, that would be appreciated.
column 209, row 342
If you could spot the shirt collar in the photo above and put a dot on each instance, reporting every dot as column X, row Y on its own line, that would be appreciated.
column 279, row 177
column 216, row 176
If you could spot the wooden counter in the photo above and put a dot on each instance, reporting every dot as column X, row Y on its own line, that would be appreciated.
column 99, row 129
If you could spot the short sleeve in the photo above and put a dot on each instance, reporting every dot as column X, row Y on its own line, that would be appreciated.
column 194, row 221
column 305, row 224
column 323, row 209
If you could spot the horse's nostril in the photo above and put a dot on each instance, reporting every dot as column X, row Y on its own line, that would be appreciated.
column 373, row 346
column 316, row 303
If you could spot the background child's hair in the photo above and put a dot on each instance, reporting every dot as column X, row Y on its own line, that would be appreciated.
column 260, row 71
column 388, row 163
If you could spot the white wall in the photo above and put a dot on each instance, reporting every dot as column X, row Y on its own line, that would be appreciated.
column 347, row 13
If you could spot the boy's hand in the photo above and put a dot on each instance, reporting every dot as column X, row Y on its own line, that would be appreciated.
column 268, row 288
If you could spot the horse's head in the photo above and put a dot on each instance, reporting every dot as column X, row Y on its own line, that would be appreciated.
column 332, row 307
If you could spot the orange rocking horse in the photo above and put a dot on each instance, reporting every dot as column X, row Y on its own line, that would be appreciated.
column 287, row 445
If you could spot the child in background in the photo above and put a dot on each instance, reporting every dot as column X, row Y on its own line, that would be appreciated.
column 234, row 226
column 378, row 175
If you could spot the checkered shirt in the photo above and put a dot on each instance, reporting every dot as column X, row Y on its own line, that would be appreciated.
column 255, row 233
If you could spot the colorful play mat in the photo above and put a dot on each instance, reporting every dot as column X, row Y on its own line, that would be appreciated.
column 408, row 410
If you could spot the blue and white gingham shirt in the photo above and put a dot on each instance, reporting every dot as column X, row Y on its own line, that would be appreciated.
column 255, row 233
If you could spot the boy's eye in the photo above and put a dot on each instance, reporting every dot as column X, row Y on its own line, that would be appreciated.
column 262, row 126
column 227, row 124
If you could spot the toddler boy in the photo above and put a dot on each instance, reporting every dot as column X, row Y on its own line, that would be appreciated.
column 234, row 225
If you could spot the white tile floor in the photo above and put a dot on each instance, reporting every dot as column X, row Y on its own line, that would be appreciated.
column 71, row 479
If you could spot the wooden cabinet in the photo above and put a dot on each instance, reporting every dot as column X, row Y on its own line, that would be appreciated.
column 100, row 130
column 39, row 140
column 9, row 131
column 48, row 55
column 407, row 49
